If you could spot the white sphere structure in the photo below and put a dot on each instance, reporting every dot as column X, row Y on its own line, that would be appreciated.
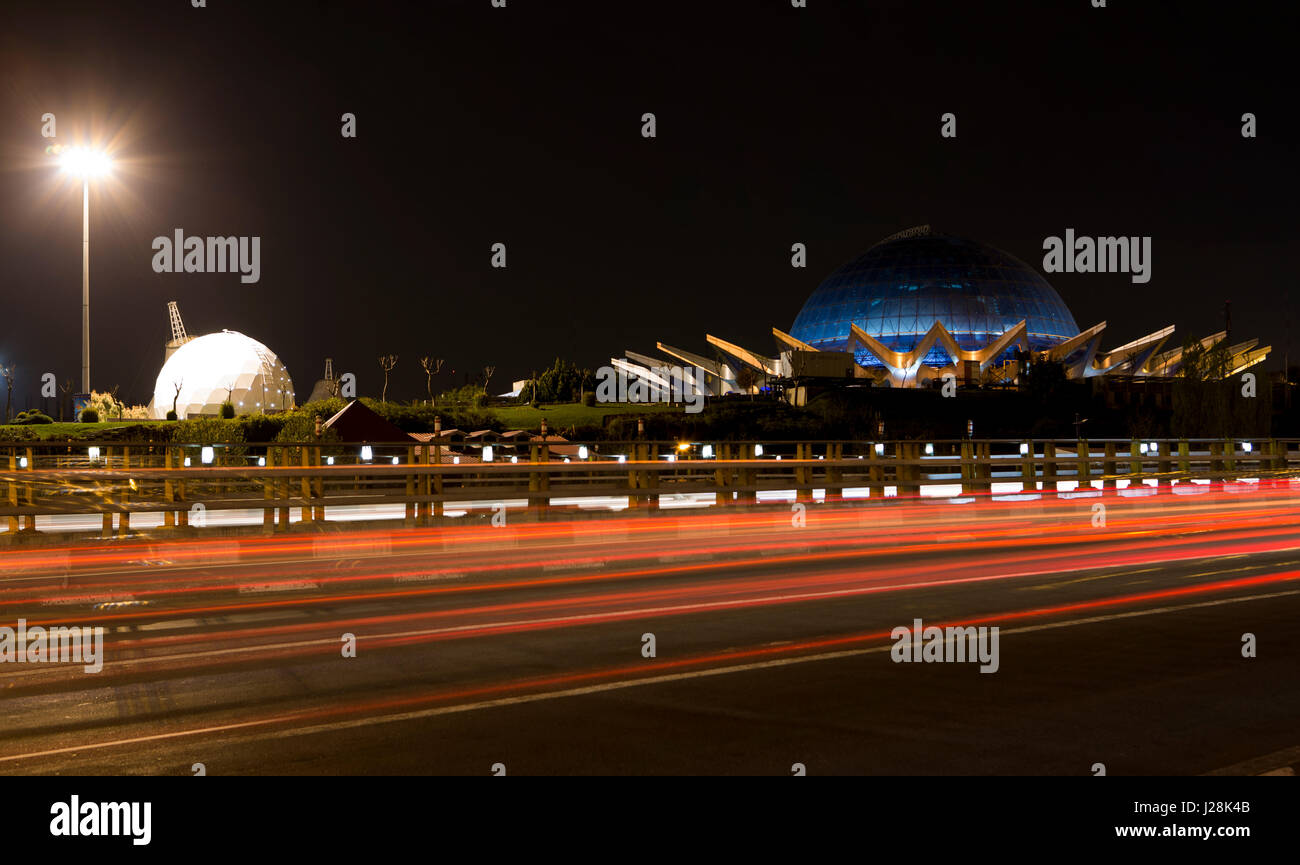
column 219, row 366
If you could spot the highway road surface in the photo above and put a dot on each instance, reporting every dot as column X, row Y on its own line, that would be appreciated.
column 1148, row 634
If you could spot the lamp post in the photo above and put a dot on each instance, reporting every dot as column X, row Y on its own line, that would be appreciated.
column 85, row 163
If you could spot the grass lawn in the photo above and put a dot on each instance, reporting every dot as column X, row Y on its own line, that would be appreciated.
column 565, row 415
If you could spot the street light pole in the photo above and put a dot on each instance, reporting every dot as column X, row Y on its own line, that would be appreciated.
column 86, row 164
column 85, row 285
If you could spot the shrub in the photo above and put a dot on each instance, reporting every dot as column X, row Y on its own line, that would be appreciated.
column 33, row 417
column 227, row 410
column 11, row 434
column 589, row 399
column 171, row 414
column 89, row 415
column 299, row 426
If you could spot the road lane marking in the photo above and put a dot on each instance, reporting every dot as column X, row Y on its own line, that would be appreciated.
column 1038, row 586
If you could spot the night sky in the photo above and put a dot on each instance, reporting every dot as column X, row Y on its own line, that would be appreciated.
column 522, row 125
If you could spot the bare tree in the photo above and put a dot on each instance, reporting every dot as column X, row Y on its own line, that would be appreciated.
column 386, row 363
column 431, row 368
column 112, row 395
column 176, row 396
column 65, row 388
column 8, row 373
column 488, row 372
column 746, row 379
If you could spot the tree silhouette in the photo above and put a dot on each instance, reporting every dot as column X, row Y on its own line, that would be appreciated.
column 386, row 363
column 746, row 379
column 431, row 368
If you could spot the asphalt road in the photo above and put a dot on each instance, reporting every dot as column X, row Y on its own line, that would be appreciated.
column 524, row 647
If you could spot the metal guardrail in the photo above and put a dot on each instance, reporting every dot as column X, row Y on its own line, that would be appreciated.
column 114, row 478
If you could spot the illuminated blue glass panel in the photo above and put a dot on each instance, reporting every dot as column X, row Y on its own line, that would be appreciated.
column 896, row 290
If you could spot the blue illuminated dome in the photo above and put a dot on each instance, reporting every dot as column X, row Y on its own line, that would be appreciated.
column 896, row 290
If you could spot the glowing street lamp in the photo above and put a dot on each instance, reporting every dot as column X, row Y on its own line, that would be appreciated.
column 85, row 163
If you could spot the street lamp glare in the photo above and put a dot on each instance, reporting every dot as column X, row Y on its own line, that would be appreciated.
column 84, row 162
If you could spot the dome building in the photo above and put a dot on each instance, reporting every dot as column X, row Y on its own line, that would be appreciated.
column 920, row 305
column 203, row 372
column 900, row 287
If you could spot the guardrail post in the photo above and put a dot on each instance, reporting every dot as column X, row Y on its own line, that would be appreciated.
column 802, row 473
column 967, row 467
column 1050, row 480
column 410, row 489
column 902, row 472
column 875, row 472
column 11, row 496
column 1083, row 472
column 318, row 484
column 545, row 479
column 722, row 478
column 1109, row 468
column 1028, row 472
column 1229, row 452
column 1163, row 465
column 747, row 476
column 283, row 488
column 307, row 514
column 106, row 496
column 915, row 450
column 29, row 520
column 1135, row 463
column 1216, row 464
column 650, row 476
column 169, row 490
column 633, row 479
column 268, row 493
column 124, row 518
column 1184, row 457
column 424, row 484
column 534, row 477
column 182, row 512
column 439, row 482
column 834, row 474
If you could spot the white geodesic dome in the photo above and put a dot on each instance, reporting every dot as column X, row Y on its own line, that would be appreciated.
column 212, row 368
